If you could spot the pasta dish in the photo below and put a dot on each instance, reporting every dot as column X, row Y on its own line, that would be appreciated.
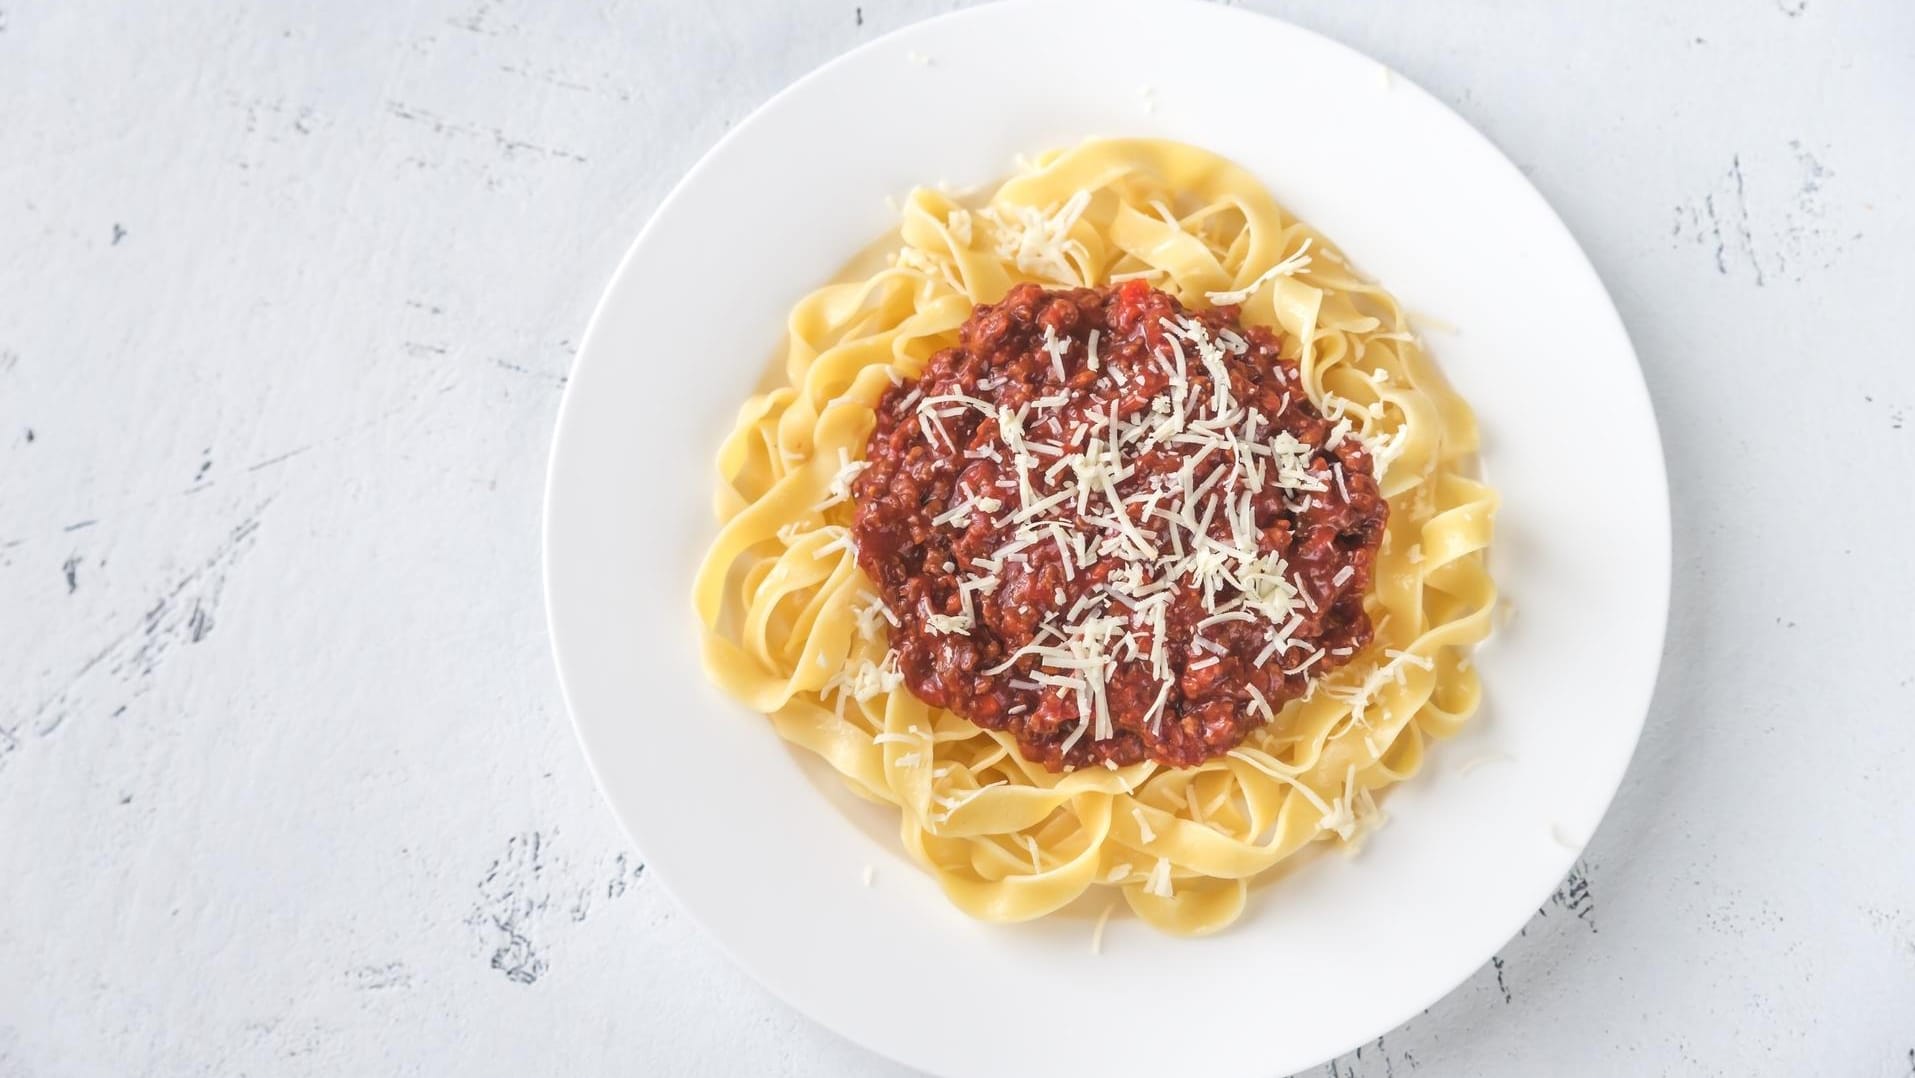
column 1113, row 529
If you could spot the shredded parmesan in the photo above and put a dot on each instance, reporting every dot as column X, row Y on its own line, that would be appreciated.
column 1037, row 241
column 1294, row 264
column 949, row 624
column 1144, row 833
column 839, row 489
column 1158, row 882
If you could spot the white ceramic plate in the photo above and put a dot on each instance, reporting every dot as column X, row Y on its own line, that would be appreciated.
column 760, row 843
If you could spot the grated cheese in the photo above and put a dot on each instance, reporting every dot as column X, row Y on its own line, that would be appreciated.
column 1037, row 241
column 1294, row 264
column 1158, row 882
column 950, row 624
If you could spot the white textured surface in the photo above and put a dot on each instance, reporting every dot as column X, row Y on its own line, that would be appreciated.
column 287, row 294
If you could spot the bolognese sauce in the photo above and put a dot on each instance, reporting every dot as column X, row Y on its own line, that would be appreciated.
column 1115, row 528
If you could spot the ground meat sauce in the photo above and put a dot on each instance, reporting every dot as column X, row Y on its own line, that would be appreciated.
column 1025, row 363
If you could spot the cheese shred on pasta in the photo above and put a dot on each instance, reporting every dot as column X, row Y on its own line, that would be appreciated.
column 792, row 627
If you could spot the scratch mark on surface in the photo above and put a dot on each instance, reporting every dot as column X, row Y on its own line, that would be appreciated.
column 136, row 652
column 510, row 898
column 559, row 81
column 566, row 81
column 79, row 524
column 371, row 424
column 1362, row 1062
column 524, row 885
column 1574, row 896
column 1742, row 228
column 1780, row 237
column 857, row 14
column 266, row 121
column 557, row 380
column 1715, row 232
column 1896, row 924
column 199, row 624
column 508, row 145
column 377, row 978
column 479, row 23
column 615, row 887
column 1501, row 985
column 280, row 459
column 71, row 569
column 1792, row 8
column 439, row 126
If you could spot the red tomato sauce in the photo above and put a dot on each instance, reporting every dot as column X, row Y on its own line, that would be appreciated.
column 1031, row 352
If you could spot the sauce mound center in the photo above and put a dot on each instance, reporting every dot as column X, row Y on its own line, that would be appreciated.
column 1115, row 528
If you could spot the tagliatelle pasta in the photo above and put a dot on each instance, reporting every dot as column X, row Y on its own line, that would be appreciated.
column 794, row 627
